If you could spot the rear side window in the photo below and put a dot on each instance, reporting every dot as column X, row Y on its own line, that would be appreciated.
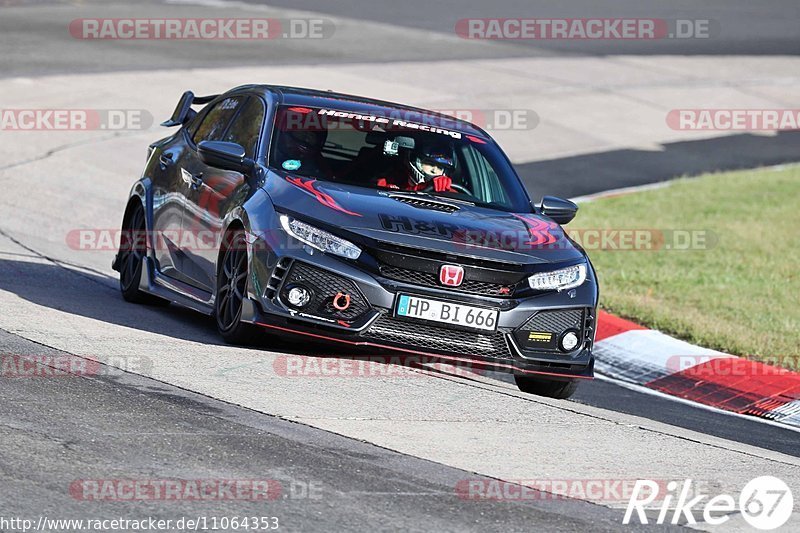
column 246, row 127
column 216, row 121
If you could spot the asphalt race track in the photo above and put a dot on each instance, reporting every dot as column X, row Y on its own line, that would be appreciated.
column 380, row 452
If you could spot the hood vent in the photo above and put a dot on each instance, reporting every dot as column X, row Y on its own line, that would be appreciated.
column 426, row 203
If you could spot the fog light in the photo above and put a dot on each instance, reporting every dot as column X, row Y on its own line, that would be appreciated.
column 569, row 341
column 298, row 296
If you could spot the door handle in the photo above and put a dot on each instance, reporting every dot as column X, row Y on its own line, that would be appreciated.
column 165, row 159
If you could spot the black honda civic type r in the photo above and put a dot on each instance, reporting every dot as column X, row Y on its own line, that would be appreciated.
column 356, row 221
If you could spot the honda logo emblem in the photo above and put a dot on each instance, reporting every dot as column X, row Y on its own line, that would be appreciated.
column 451, row 275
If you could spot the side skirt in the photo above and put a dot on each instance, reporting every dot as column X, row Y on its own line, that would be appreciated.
column 174, row 290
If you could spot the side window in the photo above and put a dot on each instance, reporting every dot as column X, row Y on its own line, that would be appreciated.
column 193, row 124
column 246, row 127
column 484, row 182
column 216, row 120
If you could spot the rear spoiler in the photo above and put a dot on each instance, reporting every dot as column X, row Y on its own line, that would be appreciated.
column 183, row 112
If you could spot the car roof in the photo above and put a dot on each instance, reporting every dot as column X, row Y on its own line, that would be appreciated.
column 298, row 96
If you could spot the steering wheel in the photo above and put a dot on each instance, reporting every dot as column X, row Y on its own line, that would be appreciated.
column 455, row 186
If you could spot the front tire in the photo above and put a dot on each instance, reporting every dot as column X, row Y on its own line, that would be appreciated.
column 231, row 291
column 559, row 390
column 132, row 253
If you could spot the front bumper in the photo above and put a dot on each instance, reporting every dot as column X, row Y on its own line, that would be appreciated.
column 369, row 321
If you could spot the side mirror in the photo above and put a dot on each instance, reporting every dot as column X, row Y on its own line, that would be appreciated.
column 560, row 210
column 224, row 155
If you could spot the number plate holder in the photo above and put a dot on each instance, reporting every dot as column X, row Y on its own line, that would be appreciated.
column 431, row 310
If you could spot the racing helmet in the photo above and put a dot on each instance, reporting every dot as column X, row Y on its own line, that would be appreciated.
column 429, row 154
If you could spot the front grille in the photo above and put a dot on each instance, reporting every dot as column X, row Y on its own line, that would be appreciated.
column 429, row 279
column 325, row 286
column 499, row 268
column 437, row 338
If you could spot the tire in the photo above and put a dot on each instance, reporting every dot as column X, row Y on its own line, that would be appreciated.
column 560, row 390
column 132, row 250
column 231, row 290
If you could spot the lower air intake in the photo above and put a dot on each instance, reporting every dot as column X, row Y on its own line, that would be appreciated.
column 436, row 338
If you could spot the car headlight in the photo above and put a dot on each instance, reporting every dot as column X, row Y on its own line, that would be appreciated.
column 564, row 278
column 319, row 239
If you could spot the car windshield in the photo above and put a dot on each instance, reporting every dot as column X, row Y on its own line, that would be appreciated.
column 394, row 153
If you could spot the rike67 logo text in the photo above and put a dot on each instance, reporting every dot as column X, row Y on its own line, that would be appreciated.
column 766, row 503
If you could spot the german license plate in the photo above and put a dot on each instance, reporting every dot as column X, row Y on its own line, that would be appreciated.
column 447, row 312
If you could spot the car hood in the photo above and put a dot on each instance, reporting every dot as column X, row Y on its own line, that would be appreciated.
column 420, row 221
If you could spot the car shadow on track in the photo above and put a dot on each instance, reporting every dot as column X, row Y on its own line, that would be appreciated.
column 95, row 296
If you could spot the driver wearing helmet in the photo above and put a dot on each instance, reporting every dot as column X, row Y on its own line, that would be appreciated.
column 427, row 168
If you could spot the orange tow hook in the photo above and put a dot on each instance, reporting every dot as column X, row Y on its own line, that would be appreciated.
column 341, row 301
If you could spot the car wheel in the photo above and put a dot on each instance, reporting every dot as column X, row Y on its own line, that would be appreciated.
column 231, row 291
column 132, row 250
column 541, row 387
